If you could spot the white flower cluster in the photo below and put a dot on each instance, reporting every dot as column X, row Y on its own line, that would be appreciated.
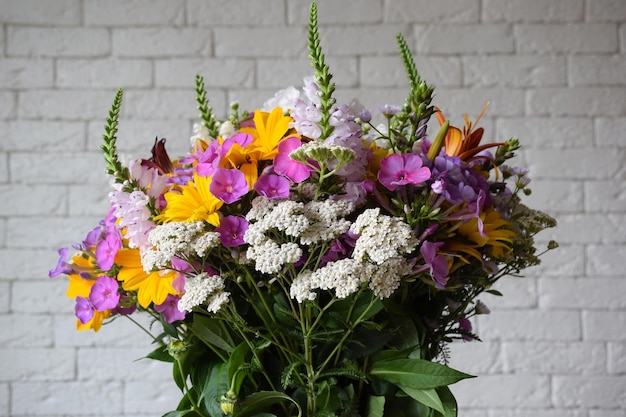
column 174, row 238
column 386, row 277
column 382, row 237
column 201, row 289
column 269, row 256
column 326, row 220
column 134, row 216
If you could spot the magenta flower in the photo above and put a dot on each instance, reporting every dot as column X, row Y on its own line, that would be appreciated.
column 272, row 186
column 83, row 310
column 229, row 185
column 437, row 265
column 170, row 310
column 231, row 230
column 104, row 293
column 284, row 165
column 107, row 248
column 62, row 265
column 402, row 169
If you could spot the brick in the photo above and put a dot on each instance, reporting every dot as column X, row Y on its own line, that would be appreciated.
column 616, row 363
column 227, row 13
column 50, row 232
column 606, row 413
column 600, row 325
column 278, row 75
column 421, row 11
column 599, row 193
column 37, row 364
column 589, row 391
column 361, row 40
column 546, row 132
column 70, row 105
column 4, row 167
column 555, row 196
column 530, row 412
column 57, row 42
column 152, row 397
column 372, row 98
column 87, row 200
column 606, row 11
column 464, row 39
column 588, row 228
column 216, row 72
column 59, row 12
column 32, row 264
column 161, row 42
column 533, row 11
column 168, row 104
column 388, row 71
column 455, row 102
column 597, row 70
column 26, row 200
column 582, row 293
column 20, row 333
column 476, row 358
column 104, row 73
column 20, row 73
column 77, row 168
column 609, row 132
column 272, row 42
column 515, row 71
column 553, row 325
column 513, row 391
column 25, row 135
column 4, row 399
column 601, row 259
column 569, row 101
column 539, row 358
column 573, row 164
column 134, row 13
column 567, row 38
column 333, row 12
column 566, row 260
column 70, row 398
column 519, row 292
column 8, row 107
column 5, row 297
column 39, row 296
column 122, row 362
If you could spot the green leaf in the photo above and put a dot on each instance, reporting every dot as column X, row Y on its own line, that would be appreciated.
column 178, row 377
column 182, row 413
column 416, row 373
column 375, row 406
column 160, row 354
column 210, row 332
column 428, row 397
column 450, row 407
column 259, row 400
column 214, row 386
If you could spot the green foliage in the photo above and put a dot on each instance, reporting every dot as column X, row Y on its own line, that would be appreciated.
column 206, row 111
column 113, row 165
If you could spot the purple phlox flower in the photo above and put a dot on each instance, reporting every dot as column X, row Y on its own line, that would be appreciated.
column 107, row 248
column 389, row 109
column 242, row 139
column 341, row 247
column 83, row 309
column 428, row 231
column 396, row 170
column 229, row 185
column 457, row 182
column 125, row 306
column 284, row 165
column 104, row 294
column 465, row 326
column 436, row 264
column 208, row 161
column 62, row 264
column 355, row 192
column 91, row 239
column 170, row 310
column 231, row 230
column 272, row 186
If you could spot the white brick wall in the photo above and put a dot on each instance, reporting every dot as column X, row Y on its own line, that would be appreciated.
column 554, row 70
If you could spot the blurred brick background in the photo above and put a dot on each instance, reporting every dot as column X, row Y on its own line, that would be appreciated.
column 554, row 71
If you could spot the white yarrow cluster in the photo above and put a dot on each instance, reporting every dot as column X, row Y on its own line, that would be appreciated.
column 386, row 277
column 203, row 288
column 167, row 240
column 286, row 216
column 382, row 237
column 326, row 220
column 270, row 257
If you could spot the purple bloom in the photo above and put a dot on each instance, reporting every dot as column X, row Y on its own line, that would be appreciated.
column 389, row 109
column 231, row 230
column 272, row 186
column 62, row 265
column 83, row 310
column 170, row 310
column 104, row 293
column 437, row 265
column 229, row 185
column 107, row 248
column 403, row 169
column 465, row 326
column 284, row 165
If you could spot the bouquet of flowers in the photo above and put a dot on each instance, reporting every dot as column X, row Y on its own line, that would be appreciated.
column 300, row 261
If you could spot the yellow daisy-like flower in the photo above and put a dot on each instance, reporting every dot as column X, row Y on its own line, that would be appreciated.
column 153, row 287
column 268, row 130
column 378, row 154
column 193, row 203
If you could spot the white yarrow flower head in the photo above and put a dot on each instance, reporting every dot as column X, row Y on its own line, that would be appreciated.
column 382, row 237
column 175, row 238
column 199, row 288
column 387, row 277
column 270, row 257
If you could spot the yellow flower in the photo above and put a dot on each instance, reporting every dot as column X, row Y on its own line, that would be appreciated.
column 378, row 154
column 153, row 287
column 81, row 287
column 193, row 203
column 268, row 130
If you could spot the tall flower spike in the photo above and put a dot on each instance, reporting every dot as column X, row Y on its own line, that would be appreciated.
column 109, row 149
column 322, row 74
column 206, row 111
